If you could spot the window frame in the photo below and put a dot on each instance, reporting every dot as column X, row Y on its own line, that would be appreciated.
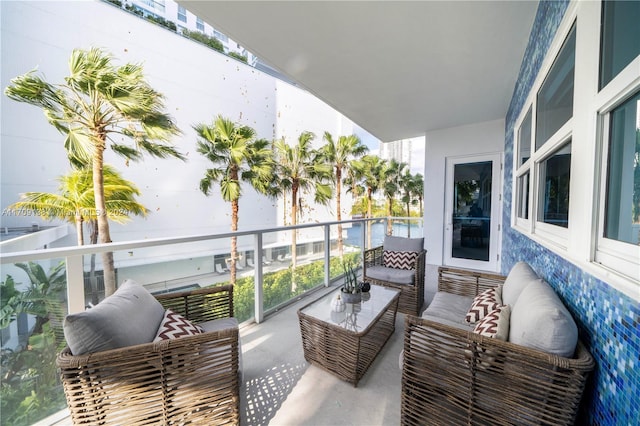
column 610, row 253
column 615, row 262
column 550, row 235
column 557, row 235
column 199, row 24
column 182, row 12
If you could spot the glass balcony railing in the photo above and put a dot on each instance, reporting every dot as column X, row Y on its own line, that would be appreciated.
column 273, row 267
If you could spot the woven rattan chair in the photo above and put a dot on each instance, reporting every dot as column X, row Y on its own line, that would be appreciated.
column 188, row 380
column 411, row 294
column 452, row 376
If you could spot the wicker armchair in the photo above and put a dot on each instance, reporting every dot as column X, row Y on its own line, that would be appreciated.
column 411, row 294
column 188, row 380
column 451, row 376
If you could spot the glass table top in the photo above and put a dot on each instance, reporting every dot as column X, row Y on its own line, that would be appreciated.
column 355, row 317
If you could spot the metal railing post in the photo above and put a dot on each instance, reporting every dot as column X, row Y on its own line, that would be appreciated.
column 257, row 280
column 363, row 239
column 327, row 255
column 75, row 284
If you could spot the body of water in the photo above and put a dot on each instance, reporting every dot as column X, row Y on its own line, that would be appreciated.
column 378, row 231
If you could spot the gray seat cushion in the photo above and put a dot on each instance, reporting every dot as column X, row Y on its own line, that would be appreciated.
column 219, row 324
column 224, row 324
column 393, row 275
column 520, row 276
column 128, row 317
column 450, row 307
column 403, row 244
column 444, row 321
column 539, row 320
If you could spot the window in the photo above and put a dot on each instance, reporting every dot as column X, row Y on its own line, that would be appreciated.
column 618, row 236
column 576, row 154
column 555, row 173
column 554, row 106
column 220, row 36
column 620, row 37
column 522, row 206
column 541, row 198
column 182, row 14
column 524, row 139
column 155, row 4
column 200, row 24
column 622, row 205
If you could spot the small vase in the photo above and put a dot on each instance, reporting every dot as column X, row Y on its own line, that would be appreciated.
column 337, row 304
column 365, row 286
column 351, row 297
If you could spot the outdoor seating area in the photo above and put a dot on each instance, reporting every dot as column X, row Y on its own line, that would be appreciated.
column 521, row 363
column 116, row 371
column 398, row 264
column 134, row 359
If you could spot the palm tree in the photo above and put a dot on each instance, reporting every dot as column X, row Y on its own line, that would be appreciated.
column 412, row 187
column 300, row 169
column 339, row 155
column 368, row 172
column 42, row 298
column 237, row 156
column 391, row 173
column 31, row 365
column 75, row 202
column 97, row 102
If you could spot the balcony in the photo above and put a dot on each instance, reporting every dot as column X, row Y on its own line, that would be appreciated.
column 278, row 385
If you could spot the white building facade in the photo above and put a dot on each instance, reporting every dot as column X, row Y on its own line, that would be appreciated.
column 198, row 84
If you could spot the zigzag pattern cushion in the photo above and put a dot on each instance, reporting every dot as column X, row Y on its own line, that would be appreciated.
column 483, row 304
column 174, row 325
column 399, row 259
column 496, row 324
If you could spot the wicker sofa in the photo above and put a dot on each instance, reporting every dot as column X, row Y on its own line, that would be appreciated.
column 384, row 265
column 453, row 375
column 113, row 373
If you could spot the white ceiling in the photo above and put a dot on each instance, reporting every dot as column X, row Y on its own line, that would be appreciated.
column 396, row 68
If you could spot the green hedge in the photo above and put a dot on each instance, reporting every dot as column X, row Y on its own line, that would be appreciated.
column 277, row 285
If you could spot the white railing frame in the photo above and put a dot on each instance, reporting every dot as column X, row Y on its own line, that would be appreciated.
column 73, row 256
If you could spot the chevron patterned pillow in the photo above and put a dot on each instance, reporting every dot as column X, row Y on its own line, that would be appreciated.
column 483, row 304
column 496, row 324
column 399, row 259
column 174, row 325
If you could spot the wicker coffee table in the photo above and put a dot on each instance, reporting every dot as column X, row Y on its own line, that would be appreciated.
column 346, row 343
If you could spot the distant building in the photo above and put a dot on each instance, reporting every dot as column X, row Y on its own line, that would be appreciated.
column 172, row 12
column 397, row 150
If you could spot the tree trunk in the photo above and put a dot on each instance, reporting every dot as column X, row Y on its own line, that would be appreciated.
column 79, row 229
column 390, row 214
column 294, row 221
column 103, row 221
column 338, row 208
column 409, row 215
column 234, row 241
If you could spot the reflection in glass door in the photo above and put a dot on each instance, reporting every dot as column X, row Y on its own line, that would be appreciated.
column 473, row 211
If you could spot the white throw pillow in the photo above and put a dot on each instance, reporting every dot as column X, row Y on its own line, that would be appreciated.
column 174, row 325
column 496, row 324
column 483, row 304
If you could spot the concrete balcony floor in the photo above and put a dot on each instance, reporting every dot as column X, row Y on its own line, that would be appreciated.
column 280, row 387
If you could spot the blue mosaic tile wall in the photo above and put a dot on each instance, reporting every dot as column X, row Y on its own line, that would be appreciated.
column 609, row 321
